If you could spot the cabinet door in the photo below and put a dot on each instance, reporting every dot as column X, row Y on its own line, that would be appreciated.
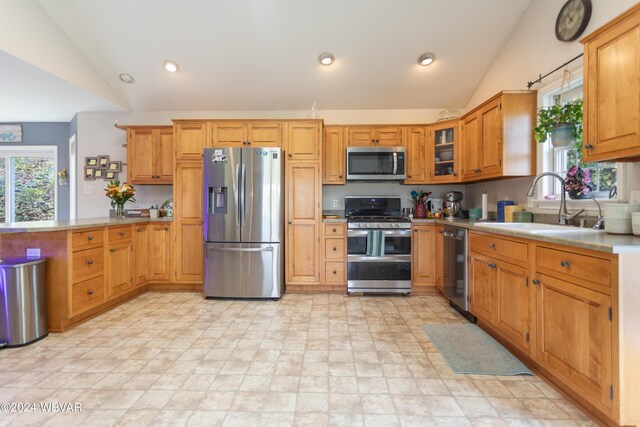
column 512, row 315
column 438, row 257
column 190, row 251
column 575, row 337
column 303, row 223
column 362, row 137
column 422, row 256
column 229, row 135
column 416, row 156
column 119, row 268
column 141, row 249
column 443, row 154
column 482, row 277
column 188, row 190
column 471, row 147
column 491, row 139
column 140, row 157
column 191, row 138
column 164, row 156
column 389, row 137
column 159, row 252
column 334, row 155
column 265, row 134
column 612, row 93
column 303, row 141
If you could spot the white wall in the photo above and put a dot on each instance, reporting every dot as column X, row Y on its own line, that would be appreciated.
column 98, row 135
column 531, row 50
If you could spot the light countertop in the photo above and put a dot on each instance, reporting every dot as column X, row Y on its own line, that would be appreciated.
column 70, row 224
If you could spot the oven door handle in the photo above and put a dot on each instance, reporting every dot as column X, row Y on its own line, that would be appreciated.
column 387, row 233
column 386, row 258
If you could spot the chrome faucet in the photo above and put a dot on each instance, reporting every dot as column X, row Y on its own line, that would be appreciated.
column 599, row 225
column 563, row 215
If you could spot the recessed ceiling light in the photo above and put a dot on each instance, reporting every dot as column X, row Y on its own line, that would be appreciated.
column 126, row 78
column 170, row 66
column 425, row 59
column 326, row 58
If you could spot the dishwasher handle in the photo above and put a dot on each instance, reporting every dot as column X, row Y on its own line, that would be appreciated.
column 452, row 235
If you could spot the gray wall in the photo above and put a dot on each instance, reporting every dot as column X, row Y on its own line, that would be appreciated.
column 51, row 133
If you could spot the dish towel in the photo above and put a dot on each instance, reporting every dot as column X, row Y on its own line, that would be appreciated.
column 375, row 243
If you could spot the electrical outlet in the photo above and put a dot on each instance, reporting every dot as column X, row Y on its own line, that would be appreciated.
column 88, row 189
column 335, row 204
column 634, row 197
column 33, row 252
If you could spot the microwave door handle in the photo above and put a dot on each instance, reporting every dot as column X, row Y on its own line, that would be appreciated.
column 395, row 163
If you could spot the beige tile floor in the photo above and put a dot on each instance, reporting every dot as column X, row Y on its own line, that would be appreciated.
column 308, row 360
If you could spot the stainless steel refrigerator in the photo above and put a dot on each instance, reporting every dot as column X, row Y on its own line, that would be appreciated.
column 244, row 222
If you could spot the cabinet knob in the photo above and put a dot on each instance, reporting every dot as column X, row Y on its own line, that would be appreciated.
column 340, row 176
column 121, row 233
column 112, row 250
column 290, row 155
column 491, row 265
column 455, row 174
column 536, row 281
column 334, row 272
column 138, row 229
column 564, row 263
column 290, row 222
column 90, row 292
column 409, row 176
column 166, row 228
column 334, row 249
column 89, row 238
column 89, row 261
column 588, row 146
column 334, row 230
column 440, row 232
column 492, row 245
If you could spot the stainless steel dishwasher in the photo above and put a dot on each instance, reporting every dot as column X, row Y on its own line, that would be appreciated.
column 456, row 267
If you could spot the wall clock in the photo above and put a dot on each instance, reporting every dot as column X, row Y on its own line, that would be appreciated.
column 573, row 19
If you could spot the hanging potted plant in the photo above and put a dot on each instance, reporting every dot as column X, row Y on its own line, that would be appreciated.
column 563, row 123
column 578, row 183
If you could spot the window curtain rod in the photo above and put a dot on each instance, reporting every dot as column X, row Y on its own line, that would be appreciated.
column 540, row 77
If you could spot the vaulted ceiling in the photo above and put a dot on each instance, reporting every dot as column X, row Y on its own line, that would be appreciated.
column 262, row 54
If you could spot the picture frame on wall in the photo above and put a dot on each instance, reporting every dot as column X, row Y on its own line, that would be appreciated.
column 89, row 173
column 91, row 162
column 114, row 166
column 99, row 173
column 111, row 176
column 103, row 159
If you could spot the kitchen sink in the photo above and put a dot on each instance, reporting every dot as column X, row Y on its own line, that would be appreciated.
column 535, row 228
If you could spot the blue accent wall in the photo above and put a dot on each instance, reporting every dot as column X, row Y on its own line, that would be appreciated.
column 50, row 133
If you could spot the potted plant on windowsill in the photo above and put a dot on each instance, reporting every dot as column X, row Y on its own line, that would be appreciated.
column 578, row 183
column 563, row 123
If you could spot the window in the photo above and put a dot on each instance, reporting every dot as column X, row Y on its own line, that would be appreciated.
column 28, row 183
column 560, row 159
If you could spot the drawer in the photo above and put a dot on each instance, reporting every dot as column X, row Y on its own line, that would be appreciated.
column 334, row 272
column 334, row 249
column 119, row 234
column 334, row 230
column 498, row 247
column 87, row 295
column 87, row 264
column 569, row 265
column 86, row 239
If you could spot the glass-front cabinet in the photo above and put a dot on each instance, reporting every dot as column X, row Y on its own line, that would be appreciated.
column 444, row 156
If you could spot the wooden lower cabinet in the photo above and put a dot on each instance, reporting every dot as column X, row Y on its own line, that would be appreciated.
column 423, row 268
column 482, row 279
column 334, row 271
column 142, row 256
column 160, row 261
column 513, row 299
column 119, row 268
column 302, row 259
column 189, row 259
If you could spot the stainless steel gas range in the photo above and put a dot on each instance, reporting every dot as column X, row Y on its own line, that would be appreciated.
column 378, row 245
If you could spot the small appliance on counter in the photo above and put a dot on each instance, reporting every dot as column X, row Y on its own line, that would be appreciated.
column 452, row 204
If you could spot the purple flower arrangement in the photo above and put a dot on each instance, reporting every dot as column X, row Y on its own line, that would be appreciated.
column 578, row 181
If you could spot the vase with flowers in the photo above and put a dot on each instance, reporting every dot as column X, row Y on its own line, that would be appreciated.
column 578, row 183
column 419, row 201
column 119, row 195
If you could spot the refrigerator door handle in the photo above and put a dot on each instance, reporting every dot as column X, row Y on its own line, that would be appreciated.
column 243, row 198
column 235, row 194
column 268, row 249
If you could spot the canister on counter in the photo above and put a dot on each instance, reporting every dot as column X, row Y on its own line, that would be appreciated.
column 509, row 211
column 522, row 216
column 500, row 207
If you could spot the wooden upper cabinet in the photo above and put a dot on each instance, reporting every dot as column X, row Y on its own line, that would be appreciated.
column 188, row 190
column 238, row 134
column 443, row 158
column 612, row 90
column 191, row 139
column 303, row 140
column 375, row 136
column 416, row 156
column 333, row 156
column 150, row 155
column 497, row 137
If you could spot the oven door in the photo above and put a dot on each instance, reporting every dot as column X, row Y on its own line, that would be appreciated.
column 385, row 271
column 375, row 164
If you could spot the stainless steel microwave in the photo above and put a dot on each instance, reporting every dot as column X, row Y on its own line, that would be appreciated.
column 376, row 164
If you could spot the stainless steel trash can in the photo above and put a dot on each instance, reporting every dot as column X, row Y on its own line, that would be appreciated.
column 23, row 303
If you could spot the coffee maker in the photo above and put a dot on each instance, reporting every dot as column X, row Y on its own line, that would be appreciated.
column 452, row 204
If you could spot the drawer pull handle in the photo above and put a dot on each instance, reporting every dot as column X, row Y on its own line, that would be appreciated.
column 121, row 233
column 166, row 228
column 491, row 265
column 334, row 248
column 492, row 245
column 90, row 292
column 536, row 281
column 564, row 263
column 89, row 237
column 334, row 230
column 90, row 261
column 112, row 250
